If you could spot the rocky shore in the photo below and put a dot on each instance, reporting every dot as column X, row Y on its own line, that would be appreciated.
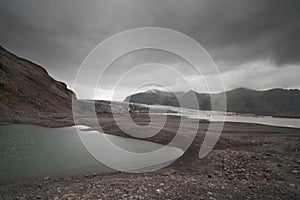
column 250, row 161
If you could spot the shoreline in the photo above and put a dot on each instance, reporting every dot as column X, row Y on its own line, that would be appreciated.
column 249, row 160
column 68, row 121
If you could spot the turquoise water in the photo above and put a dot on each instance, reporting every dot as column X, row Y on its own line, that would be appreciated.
column 28, row 151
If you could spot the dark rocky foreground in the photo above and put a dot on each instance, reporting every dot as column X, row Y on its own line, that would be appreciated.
column 249, row 162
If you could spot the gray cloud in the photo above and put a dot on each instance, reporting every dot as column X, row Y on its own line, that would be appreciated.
column 265, row 30
column 59, row 34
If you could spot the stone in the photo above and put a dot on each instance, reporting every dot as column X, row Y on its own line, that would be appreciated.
column 168, row 172
column 295, row 171
column 210, row 176
column 292, row 185
column 159, row 191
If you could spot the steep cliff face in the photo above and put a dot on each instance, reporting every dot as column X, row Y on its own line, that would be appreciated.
column 27, row 90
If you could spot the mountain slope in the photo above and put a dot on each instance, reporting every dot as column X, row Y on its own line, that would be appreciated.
column 27, row 90
column 152, row 97
column 274, row 102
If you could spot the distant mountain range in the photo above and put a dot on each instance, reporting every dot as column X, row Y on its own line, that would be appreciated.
column 27, row 90
column 274, row 102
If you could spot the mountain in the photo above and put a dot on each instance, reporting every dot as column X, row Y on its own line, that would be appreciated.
column 27, row 90
column 152, row 97
column 274, row 102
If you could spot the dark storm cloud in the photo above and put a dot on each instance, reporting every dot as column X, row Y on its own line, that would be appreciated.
column 59, row 34
column 261, row 30
column 237, row 31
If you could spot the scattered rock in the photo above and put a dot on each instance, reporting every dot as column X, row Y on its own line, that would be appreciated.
column 226, row 173
column 295, row 171
column 210, row 176
column 292, row 185
column 159, row 191
column 168, row 172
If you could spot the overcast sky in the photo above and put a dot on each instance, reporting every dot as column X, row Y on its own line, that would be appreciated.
column 255, row 43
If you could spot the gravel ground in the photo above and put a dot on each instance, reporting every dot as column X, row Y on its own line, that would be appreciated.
column 249, row 162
